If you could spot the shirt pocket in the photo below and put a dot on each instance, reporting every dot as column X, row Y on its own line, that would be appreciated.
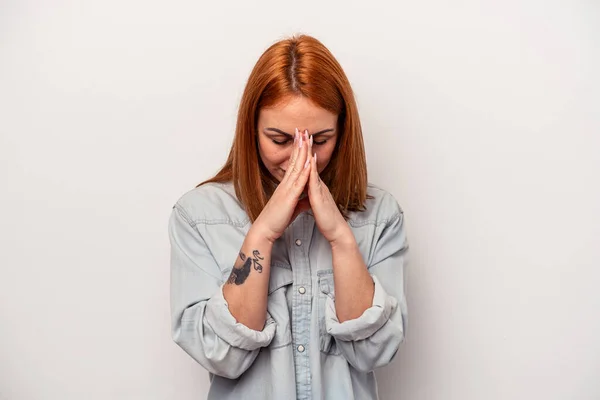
column 280, row 281
column 326, row 290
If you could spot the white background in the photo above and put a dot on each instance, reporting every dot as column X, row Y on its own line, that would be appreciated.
column 482, row 118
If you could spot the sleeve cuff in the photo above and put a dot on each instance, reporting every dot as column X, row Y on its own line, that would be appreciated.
column 368, row 323
column 236, row 334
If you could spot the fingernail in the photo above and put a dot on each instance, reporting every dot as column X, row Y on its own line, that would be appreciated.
column 307, row 163
column 306, row 134
column 315, row 158
column 296, row 136
column 300, row 142
column 311, row 140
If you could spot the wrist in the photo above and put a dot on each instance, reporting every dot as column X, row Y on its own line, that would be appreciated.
column 261, row 236
column 344, row 241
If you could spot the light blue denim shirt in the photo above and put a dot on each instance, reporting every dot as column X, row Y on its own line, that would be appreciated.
column 303, row 352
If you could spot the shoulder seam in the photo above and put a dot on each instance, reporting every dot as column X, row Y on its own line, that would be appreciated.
column 203, row 221
column 384, row 221
column 183, row 213
column 221, row 221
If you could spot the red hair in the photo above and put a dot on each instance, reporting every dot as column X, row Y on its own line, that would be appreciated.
column 298, row 66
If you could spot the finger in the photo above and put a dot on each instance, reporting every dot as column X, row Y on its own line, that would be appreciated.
column 298, row 167
column 293, row 156
column 315, row 180
column 302, row 180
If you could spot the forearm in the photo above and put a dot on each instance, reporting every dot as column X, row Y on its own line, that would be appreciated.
column 354, row 287
column 247, row 287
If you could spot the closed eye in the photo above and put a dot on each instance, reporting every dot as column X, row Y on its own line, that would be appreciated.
column 287, row 137
column 286, row 141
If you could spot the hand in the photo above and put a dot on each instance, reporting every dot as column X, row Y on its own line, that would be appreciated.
column 284, row 205
column 328, row 217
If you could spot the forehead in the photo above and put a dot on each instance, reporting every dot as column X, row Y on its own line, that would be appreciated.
column 297, row 112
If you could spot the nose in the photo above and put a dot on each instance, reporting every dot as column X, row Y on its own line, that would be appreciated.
column 286, row 157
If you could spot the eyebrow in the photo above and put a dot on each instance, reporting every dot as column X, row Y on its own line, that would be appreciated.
column 290, row 135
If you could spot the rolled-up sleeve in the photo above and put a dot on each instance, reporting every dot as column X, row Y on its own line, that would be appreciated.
column 200, row 319
column 372, row 340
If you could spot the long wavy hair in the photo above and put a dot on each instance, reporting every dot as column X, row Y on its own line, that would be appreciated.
column 298, row 66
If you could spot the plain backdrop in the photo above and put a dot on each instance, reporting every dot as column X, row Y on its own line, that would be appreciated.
column 482, row 118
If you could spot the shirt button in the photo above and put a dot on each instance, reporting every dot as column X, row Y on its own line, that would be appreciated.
column 301, row 348
column 302, row 290
column 298, row 242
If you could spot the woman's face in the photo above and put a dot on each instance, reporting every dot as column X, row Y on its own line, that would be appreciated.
column 276, row 128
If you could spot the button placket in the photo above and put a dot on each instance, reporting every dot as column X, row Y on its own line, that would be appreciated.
column 301, row 233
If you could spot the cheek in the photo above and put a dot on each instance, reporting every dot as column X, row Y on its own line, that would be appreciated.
column 324, row 154
column 273, row 156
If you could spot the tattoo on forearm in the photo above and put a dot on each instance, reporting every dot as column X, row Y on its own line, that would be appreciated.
column 240, row 274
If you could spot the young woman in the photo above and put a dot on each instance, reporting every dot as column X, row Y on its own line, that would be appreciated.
column 287, row 266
